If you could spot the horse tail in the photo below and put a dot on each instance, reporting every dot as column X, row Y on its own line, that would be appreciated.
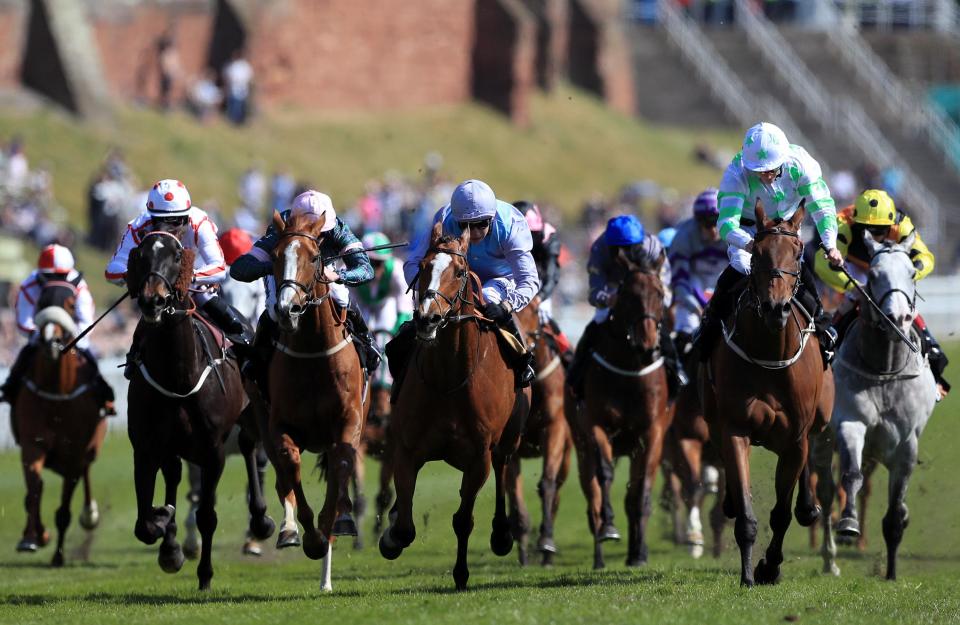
column 321, row 465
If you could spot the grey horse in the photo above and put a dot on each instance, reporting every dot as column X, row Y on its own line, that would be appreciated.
column 885, row 395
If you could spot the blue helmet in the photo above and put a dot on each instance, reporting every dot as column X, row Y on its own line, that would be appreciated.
column 624, row 230
column 666, row 236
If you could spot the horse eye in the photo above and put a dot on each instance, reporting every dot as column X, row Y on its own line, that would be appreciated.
column 461, row 273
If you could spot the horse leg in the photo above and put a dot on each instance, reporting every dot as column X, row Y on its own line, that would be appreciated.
column 501, row 538
column 898, row 516
column 34, row 534
column 821, row 458
column 385, row 494
column 401, row 532
column 736, row 458
column 261, row 525
column 718, row 520
column 315, row 544
column 851, row 437
column 473, row 480
column 151, row 522
column 608, row 530
column 191, row 542
column 207, row 515
column 171, row 555
column 693, row 492
column 289, row 535
column 554, row 457
column 359, row 499
column 343, row 461
column 790, row 465
column 865, row 492
column 519, row 517
column 587, row 462
column 90, row 515
column 63, row 517
column 643, row 473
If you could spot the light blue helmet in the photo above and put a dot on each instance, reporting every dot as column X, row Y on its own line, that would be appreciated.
column 624, row 230
column 666, row 236
column 473, row 200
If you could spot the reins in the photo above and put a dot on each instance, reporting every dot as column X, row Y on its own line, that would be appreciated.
column 657, row 359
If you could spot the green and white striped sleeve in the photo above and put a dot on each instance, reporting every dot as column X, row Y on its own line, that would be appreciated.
column 730, row 201
column 812, row 187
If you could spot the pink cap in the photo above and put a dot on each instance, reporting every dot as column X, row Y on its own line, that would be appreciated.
column 315, row 203
column 534, row 219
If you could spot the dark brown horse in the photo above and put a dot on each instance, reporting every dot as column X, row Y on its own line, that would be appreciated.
column 316, row 385
column 58, row 421
column 624, row 410
column 766, row 385
column 457, row 403
column 546, row 436
column 184, row 399
column 376, row 442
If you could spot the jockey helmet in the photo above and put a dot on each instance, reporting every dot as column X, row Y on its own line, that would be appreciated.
column 765, row 147
column 706, row 204
column 473, row 200
column 375, row 239
column 168, row 198
column 624, row 230
column 874, row 207
column 666, row 236
column 55, row 259
column 315, row 203
column 235, row 243
column 532, row 214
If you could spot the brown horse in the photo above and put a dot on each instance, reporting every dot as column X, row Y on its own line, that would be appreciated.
column 184, row 399
column 316, row 386
column 457, row 403
column 547, row 435
column 624, row 410
column 766, row 385
column 59, row 424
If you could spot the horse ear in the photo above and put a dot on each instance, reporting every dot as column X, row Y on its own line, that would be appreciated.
column 759, row 214
column 624, row 259
column 465, row 238
column 278, row 224
column 316, row 226
column 873, row 247
column 907, row 243
column 436, row 233
column 798, row 216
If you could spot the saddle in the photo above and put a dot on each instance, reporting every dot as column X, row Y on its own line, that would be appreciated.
column 512, row 346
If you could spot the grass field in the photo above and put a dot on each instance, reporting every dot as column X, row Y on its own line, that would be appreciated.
column 111, row 578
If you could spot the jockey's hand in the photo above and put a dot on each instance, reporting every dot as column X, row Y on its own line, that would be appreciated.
column 606, row 299
column 835, row 257
column 330, row 275
column 496, row 312
column 748, row 248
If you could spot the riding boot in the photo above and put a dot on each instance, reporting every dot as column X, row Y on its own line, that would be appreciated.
column 578, row 366
column 809, row 298
column 398, row 351
column 105, row 392
column 720, row 306
column 257, row 365
column 841, row 323
column 523, row 363
column 676, row 376
column 19, row 369
column 366, row 348
column 935, row 356
column 235, row 326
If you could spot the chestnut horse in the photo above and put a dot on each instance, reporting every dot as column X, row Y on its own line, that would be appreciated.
column 766, row 385
column 184, row 399
column 316, row 386
column 547, row 435
column 58, row 420
column 458, row 403
column 624, row 409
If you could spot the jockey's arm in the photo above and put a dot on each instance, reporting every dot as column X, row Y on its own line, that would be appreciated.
column 551, row 272
column 920, row 254
column 681, row 283
column 25, row 306
column 820, row 206
column 256, row 263
column 358, row 269
column 214, row 267
column 84, row 311
column 116, row 271
column 597, row 269
column 666, row 277
column 730, row 200
column 524, row 268
column 831, row 276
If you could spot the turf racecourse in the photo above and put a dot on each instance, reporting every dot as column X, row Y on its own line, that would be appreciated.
column 111, row 578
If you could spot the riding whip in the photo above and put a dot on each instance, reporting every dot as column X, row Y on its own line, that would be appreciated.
column 863, row 293
column 77, row 338
column 375, row 248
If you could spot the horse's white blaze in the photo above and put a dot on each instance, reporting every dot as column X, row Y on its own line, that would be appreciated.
column 48, row 332
column 285, row 295
column 326, row 584
column 438, row 265
column 157, row 245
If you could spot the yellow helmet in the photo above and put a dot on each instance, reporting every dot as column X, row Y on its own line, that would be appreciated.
column 874, row 207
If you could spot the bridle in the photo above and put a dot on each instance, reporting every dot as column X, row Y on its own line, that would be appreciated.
column 632, row 323
column 169, row 308
column 778, row 272
column 305, row 289
column 911, row 297
column 454, row 304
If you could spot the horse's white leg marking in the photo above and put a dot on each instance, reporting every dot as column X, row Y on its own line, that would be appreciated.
column 325, row 584
column 438, row 265
column 285, row 295
column 695, row 532
column 851, row 438
column 289, row 517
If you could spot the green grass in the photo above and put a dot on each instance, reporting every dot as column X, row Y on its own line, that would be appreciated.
column 120, row 581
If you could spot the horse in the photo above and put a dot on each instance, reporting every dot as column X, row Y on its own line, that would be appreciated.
column 624, row 409
column 457, row 403
column 58, row 420
column 766, row 384
column 376, row 444
column 547, row 435
column 185, row 397
column 316, row 386
column 889, row 396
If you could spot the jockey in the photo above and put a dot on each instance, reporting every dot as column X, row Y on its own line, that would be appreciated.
column 500, row 255
column 875, row 212
column 780, row 175
column 169, row 208
column 54, row 267
column 624, row 232
column 383, row 300
column 697, row 257
column 546, row 254
column 336, row 238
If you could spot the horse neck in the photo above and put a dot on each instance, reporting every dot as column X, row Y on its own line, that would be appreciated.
column 878, row 350
column 766, row 344
column 176, row 358
column 319, row 327
column 56, row 375
column 457, row 351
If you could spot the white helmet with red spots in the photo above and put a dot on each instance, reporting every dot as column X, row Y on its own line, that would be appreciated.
column 168, row 198
column 55, row 259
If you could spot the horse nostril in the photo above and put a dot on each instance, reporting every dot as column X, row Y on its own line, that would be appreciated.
column 434, row 318
column 766, row 307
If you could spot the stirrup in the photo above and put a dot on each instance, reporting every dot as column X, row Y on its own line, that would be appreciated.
column 108, row 409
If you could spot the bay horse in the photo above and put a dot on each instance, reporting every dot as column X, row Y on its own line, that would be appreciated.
column 889, row 395
column 316, row 385
column 457, row 403
column 185, row 397
column 547, row 435
column 376, row 444
column 624, row 409
column 58, row 420
column 766, row 384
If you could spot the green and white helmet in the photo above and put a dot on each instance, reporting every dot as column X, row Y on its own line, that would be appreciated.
column 765, row 147
column 374, row 239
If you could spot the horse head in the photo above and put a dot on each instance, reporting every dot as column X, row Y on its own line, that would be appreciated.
column 55, row 328
column 444, row 275
column 639, row 304
column 891, row 282
column 298, row 267
column 776, row 265
column 159, row 273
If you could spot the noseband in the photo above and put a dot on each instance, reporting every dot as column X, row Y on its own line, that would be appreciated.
column 911, row 297
column 168, row 309
column 657, row 319
column 780, row 272
column 307, row 290
column 436, row 296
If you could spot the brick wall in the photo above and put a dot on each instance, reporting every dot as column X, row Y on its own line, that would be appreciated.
column 12, row 33
column 504, row 55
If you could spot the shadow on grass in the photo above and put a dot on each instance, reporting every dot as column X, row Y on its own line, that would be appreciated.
column 580, row 580
column 45, row 564
column 134, row 598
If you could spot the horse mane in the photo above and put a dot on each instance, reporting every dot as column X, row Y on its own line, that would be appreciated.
column 302, row 222
column 182, row 283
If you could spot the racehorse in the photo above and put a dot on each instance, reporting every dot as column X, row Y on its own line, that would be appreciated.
column 766, row 385
column 375, row 444
column 457, row 403
column 547, row 435
column 58, row 420
column 183, row 401
column 624, row 409
column 889, row 396
column 316, row 386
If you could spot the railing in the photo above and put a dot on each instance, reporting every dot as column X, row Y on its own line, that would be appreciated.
column 940, row 15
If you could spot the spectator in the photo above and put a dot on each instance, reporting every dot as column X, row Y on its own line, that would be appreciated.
column 110, row 195
column 16, row 168
column 249, row 298
column 168, row 65
column 282, row 187
column 252, row 189
column 843, row 185
column 205, row 97
column 237, row 80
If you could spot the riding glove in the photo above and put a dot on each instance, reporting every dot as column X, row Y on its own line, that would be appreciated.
column 496, row 312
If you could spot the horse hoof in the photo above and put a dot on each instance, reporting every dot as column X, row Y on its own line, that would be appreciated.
column 191, row 545
column 344, row 526
column 28, row 545
column 315, row 546
column 501, row 541
column 460, row 578
column 57, row 561
column 204, row 585
column 766, row 573
column 848, row 526
column 609, row 532
column 171, row 558
column 90, row 516
column 696, row 551
column 599, row 566
column 358, row 543
column 288, row 538
column 252, row 548
column 392, row 551
column 147, row 533
column 44, row 538
column 262, row 528
column 846, row 541
column 807, row 517
column 546, row 545
column 831, row 569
